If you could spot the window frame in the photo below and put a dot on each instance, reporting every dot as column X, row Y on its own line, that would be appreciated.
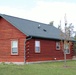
column 12, row 47
column 67, row 48
column 68, row 52
column 37, row 42
column 57, row 44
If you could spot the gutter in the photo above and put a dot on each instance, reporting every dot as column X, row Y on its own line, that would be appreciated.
column 25, row 48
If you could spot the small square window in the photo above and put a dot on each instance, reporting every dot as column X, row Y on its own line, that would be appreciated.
column 57, row 45
column 67, row 51
column 67, row 48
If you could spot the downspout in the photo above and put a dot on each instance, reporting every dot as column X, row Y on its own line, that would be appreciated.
column 25, row 48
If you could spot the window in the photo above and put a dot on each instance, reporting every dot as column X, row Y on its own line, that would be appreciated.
column 14, row 47
column 57, row 45
column 67, row 48
column 67, row 51
column 37, row 46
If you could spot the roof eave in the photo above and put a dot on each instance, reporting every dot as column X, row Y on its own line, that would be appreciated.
column 44, row 37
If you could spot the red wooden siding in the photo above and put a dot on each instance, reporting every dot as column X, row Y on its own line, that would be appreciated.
column 7, row 34
column 48, row 51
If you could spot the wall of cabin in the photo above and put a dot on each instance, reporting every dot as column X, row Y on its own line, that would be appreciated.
column 7, row 34
column 48, row 51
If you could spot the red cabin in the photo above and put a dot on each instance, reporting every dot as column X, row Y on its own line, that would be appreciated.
column 23, row 41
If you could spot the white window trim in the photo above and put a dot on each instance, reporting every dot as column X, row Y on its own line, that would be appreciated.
column 35, row 46
column 69, row 49
column 69, row 52
column 11, row 48
column 56, row 46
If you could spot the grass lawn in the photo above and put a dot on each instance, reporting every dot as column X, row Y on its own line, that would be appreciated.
column 51, row 68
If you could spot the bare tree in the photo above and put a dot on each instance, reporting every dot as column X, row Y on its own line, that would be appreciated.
column 66, row 41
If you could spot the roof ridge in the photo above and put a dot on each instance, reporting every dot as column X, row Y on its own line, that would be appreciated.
column 25, row 19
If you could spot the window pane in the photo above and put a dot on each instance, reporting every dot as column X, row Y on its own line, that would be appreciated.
column 14, row 50
column 37, row 43
column 37, row 49
column 14, row 44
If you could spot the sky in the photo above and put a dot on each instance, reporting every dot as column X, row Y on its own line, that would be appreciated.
column 43, row 11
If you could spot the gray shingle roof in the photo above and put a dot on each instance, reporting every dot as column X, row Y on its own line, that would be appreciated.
column 30, row 28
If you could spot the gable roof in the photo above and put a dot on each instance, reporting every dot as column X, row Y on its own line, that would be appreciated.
column 32, row 28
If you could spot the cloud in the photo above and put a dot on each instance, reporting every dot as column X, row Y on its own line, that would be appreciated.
column 11, row 11
column 54, row 11
column 45, row 12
